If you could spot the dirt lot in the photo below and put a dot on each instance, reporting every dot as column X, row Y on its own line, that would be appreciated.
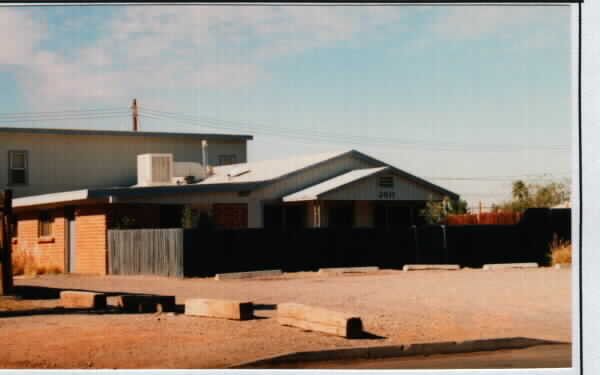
column 396, row 307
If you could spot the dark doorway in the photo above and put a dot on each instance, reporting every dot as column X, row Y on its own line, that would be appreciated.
column 284, row 216
column 341, row 214
column 273, row 216
column 393, row 216
column 171, row 216
column 295, row 216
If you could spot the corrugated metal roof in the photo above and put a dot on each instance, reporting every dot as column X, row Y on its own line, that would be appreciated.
column 261, row 173
column 313, row 192
column 268, row 169
column 207, row 136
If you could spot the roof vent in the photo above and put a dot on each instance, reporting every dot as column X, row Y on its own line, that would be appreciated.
column 238, row 171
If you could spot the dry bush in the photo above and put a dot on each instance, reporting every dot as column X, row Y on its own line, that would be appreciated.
column 24, row 263
column 21, row 261
column 560, row 251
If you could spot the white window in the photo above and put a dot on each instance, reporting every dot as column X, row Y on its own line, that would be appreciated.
column 17, row 167
column 386, row 182
column 45, row 224
column 227, row 159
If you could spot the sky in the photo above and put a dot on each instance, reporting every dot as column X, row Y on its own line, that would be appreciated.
column 468, row 97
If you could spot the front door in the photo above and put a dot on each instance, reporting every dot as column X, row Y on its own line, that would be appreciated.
column 233, row 215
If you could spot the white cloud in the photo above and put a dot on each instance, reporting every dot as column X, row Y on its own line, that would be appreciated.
column 20, row 36
column 149, row 48
column 479, row 22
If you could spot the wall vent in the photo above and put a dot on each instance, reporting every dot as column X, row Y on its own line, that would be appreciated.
column 386, row 181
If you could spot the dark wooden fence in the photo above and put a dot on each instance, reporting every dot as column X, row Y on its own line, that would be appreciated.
column 146, row 252
column 176, row 252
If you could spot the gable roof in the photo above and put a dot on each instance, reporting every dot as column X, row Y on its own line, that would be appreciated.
column 207, row 136
column 259, row 174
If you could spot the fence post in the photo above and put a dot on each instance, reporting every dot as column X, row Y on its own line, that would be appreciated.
column 416, row 243
column 445, row 243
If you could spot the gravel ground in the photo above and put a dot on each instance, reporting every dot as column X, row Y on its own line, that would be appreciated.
column 396, row 308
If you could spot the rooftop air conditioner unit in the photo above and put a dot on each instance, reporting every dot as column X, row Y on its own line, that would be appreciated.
column 154, row 169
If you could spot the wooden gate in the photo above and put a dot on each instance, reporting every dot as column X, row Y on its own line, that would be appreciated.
column 145, row 252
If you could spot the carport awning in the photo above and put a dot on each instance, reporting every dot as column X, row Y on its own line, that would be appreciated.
column 313, row 192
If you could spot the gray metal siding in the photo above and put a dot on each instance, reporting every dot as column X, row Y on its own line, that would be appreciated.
column 62, row 163
column 368, row 189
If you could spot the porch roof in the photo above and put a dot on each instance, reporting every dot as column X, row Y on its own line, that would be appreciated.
column 313, row 192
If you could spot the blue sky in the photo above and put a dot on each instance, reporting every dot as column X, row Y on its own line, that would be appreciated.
column 444, row 92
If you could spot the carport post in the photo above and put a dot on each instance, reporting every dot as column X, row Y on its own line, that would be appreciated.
column 317, row 214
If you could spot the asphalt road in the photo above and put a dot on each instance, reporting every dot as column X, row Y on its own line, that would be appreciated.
column 542, row 356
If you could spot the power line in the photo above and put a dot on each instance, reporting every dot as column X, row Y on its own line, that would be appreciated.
column 80, row 117
column 329, row 136
column 64, row 112
column 277, row 131
column 502, row 178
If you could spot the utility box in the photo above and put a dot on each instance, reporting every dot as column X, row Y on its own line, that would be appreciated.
column 154, row 169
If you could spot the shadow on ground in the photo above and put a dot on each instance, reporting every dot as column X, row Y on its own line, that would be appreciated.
column 26, row 292
column 25, row 296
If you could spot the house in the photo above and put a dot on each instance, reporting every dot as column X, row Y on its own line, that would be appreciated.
column 68, row 229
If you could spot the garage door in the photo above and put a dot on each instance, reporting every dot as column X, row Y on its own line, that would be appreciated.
column 231, row 215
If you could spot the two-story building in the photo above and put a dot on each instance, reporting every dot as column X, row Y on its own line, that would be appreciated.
column 41, row 161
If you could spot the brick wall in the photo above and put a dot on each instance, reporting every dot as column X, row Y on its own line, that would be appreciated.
column 48, row 252
column 91, row 224
column 91, row 244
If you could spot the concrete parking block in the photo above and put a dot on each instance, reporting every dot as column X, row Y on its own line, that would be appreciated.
column 246, row 275
column 342, row 270
column 562, row 266
column 214, row 308
column 142, row 303
column 319, row 319
column 422, row 267
column 82, row 300
column 501, row 266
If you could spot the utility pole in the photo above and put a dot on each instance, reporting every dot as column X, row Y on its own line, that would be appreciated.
column 134, row 112
column 6, row 277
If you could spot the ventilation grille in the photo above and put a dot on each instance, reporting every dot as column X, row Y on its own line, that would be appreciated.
column 386, row 182
column 161, row 169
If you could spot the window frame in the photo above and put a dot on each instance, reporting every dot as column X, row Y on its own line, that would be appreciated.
column 45, row 216
column 25, row 168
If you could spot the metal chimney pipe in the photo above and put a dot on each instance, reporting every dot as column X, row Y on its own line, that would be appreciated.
column 204, row 160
